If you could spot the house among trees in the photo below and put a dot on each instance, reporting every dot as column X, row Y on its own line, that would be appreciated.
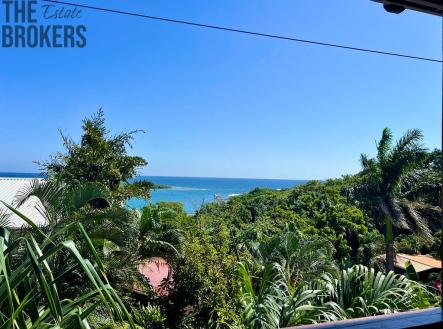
column 156, row 270
column 423, row 264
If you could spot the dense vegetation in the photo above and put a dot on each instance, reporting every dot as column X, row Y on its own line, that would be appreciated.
column 265, row 259
column 276, row 254
column 32, row 291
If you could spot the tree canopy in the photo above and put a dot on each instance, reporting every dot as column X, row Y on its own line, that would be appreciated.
column 100, row 157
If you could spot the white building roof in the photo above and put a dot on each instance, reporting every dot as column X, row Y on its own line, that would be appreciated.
column 9, row 187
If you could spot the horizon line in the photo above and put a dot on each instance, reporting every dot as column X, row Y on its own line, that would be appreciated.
column 175, row 176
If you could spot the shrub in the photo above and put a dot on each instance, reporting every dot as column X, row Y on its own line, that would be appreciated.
column 30, row 293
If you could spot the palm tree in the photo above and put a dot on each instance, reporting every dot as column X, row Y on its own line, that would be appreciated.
column 302, row 258
column 274, row 287
column 424, row 184
column 157, row 238
column 111, row 228
column 123, row 237
column 382, row 180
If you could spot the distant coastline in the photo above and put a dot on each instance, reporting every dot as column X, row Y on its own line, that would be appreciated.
column 192, row 192
column 41, row 175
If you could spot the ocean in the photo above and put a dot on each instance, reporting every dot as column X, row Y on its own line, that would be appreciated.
column 193, row 192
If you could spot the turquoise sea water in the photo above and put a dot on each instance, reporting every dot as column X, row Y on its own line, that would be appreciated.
column 195, row 191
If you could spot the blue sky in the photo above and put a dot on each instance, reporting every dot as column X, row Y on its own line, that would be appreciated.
column 222, row 104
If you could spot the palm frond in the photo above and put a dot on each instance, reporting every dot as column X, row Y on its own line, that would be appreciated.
column 360, row 291
column 410, row 141
column 89, row 193
column 260, row 298
column 384, row 146
column 49, row 193
column 397, row 215
column 303, row 258
column 5, row 217
column 416, row 222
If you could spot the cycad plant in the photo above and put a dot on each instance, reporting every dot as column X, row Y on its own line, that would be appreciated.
column 30, row 294
column 382, row 179
column 303, row 258
column 268, row 302
column 260, row 297
column 274, row 287
column 360, row 291
column 292, row 280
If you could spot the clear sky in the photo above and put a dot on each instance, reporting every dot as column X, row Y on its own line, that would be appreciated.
column 224, row 104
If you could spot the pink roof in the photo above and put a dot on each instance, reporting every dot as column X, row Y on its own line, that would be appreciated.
column 156, row 270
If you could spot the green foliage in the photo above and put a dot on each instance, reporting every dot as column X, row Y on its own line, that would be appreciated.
column 424, row 183
column 150, row 316
column 123, row 238
column 99, row 158
column 267, row 232
column 303, row 259
column 89, row 183
column 334, row 217
column 158, row 232
column 265, row 259
column 410, row 271
column 360, row 291
column 58, row 203
column 383, row 179
column 109, row 226
column 30, row 292
column 269, row 298
column 371, row 246
column 204, row 278
column 317, row 209
column 414, row 244
column 268, row 302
